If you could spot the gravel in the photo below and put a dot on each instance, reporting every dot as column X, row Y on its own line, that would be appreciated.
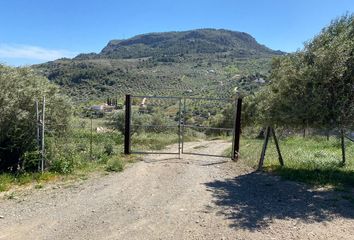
column 195, row 197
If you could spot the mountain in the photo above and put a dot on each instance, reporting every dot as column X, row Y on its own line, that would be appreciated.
column 212, row 41
column 200, row 62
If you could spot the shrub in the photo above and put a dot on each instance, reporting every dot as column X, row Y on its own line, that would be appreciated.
column 108, row 149
column 115, row 164
column 19, row 88
column 31, row 160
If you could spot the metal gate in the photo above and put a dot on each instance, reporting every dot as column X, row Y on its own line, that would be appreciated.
column 176, row 120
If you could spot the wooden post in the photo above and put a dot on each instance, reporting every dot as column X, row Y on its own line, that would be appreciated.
column 343, row 146
column 264, row 149
column 127, row 124
column 281, row 161
column 237, row 131
column 42, row 140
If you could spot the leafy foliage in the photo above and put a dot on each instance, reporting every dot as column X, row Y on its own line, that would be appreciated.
column 315, row 86
column 19, row 88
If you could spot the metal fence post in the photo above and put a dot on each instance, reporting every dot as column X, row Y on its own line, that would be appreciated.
column 91, row 136
column 42, row 136
column 184, row 112
column 237, row 131
column 38, row 132
column 179, row 127
column 37, row 123
column 343, row 146
column 127, row 124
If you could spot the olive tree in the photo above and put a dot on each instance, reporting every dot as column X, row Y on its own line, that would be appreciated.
column 314, row 86
column 19, row 89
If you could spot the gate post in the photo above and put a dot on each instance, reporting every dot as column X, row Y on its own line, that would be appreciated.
column 237, row 131
column 127, row 124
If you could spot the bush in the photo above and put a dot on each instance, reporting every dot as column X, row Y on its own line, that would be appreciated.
column 108, row 149
column 31, row 160
column 115, row 164
column 62, row 165
column 19, row 88
column 62, row 155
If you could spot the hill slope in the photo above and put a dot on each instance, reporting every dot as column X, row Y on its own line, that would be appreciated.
column 204, row 62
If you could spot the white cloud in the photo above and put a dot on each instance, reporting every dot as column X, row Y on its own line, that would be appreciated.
column 8, row 51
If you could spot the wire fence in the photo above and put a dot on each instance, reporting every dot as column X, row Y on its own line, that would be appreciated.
column 311, row 149
column 178, row 120
column 91, row 135
column 157, row 122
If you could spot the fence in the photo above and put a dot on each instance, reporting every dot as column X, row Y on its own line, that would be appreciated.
column 91, row 135
column 157, row 122
column 179, row 119
column 312, row 149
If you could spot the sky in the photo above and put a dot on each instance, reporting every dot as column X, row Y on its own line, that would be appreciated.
column 35, row 31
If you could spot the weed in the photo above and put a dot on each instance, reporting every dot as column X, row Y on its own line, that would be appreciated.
column 38, row 186
column 5, row 182
column 315, row 161
column 115, row 164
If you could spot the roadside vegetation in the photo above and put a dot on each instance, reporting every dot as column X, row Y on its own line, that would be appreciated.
column 310, row 90
column 313, row 159
column 166, row 64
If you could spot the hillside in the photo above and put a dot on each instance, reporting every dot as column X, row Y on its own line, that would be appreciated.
column 200, row 62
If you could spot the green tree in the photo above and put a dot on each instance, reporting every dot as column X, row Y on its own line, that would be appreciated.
column 315, row 86
column 19, row 88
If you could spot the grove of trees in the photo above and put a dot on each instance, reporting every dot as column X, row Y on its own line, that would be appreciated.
column 313, row 87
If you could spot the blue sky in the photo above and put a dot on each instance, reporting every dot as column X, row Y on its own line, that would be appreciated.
column 34, row 31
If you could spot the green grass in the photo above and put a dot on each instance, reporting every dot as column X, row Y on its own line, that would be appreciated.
column 153, row 141
column 70, row 156
column 9, row 180
column 312, row 160
column 146, row 141
column 115, row 164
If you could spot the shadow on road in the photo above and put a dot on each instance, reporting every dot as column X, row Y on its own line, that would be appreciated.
column 253, row 200
column 207, row 161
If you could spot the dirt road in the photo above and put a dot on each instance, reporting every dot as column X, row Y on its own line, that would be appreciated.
column 195, row 197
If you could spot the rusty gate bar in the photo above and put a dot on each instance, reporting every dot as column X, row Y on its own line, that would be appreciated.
column 166, row 97
column 212, row 128
column 237, row 131
column 167, row 126
column 210, row 99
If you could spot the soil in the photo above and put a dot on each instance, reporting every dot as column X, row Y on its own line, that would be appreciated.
column 192, row 197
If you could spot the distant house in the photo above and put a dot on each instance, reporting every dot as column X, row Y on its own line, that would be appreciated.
column 97, row 108
column 142, row 104
column 102, row 108
column 259, row 80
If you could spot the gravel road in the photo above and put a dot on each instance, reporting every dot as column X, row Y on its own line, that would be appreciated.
column 196, row 197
